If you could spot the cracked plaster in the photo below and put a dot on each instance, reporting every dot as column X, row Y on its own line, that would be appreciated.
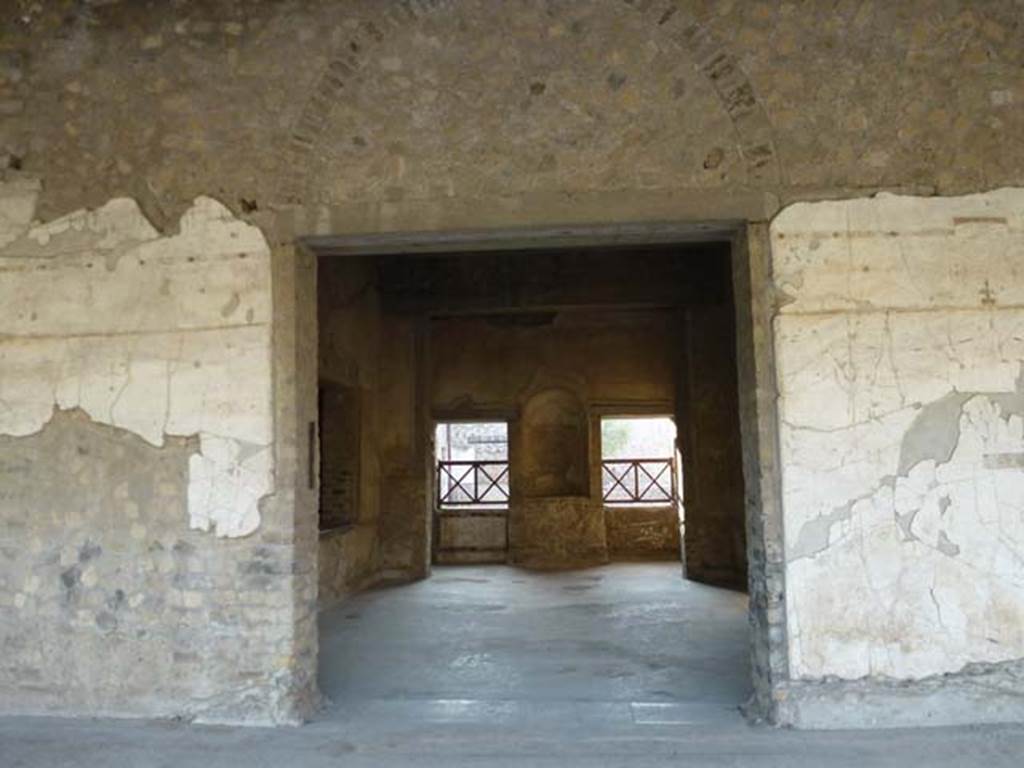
column 156, row 335
column 900, row 357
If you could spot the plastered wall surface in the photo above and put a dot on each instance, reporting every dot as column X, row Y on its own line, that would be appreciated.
column 902, row 433
column 135, row 449
column 154, row 335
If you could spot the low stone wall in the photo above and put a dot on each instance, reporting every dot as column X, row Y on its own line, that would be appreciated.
column 557, row 532
column 642, row 532
column 471, row 537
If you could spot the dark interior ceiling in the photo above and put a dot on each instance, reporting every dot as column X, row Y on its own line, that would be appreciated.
column 501, row 282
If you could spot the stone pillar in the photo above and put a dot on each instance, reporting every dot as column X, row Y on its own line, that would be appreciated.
column 291, row 514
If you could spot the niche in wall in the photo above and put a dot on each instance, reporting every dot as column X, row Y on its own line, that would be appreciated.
column 554, row 444
column 340, row 440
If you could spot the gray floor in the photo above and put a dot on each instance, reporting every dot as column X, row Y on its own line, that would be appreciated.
column 618, row 639
column 624, row 665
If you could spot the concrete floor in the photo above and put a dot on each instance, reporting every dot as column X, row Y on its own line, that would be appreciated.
column 624, row 665
column 623, row 640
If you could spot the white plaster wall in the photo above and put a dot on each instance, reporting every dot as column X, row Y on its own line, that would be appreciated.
column 900, row 353
column 157, row 335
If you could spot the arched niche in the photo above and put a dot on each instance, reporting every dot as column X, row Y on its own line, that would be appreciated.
column 553, row 446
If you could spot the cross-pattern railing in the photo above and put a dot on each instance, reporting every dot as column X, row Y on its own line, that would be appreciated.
column 472, row 483
column 638, row 481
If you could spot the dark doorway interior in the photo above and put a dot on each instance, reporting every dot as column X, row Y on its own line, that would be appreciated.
column 543, row 346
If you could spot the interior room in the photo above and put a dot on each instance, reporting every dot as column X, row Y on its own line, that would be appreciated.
column 499, row 443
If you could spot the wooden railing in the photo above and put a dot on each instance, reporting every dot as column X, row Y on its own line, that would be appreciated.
column 638, row 481
column 472, row 483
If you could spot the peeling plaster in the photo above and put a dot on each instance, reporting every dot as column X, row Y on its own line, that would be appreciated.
column 816, row 534
column 934, row 433
column 157, row 335
column 902, row 433
column 933, row 436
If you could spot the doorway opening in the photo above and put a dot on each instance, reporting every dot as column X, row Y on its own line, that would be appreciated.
column 494, row 386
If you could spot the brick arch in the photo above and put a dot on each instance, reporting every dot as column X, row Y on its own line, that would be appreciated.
column 753, row 131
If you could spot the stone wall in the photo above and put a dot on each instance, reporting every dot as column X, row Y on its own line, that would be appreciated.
column 349, row 320
column 557, row 531
column 367, row 117
column 347, row 562
column 642, row 532
column 373, row 356
column 902, row 433
column 708, row 419
column 136, row 434
column 612, row 359
column 387, row 107
column 406, row 464
column 471, row 537
column 757, row 390
column 341, row 436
